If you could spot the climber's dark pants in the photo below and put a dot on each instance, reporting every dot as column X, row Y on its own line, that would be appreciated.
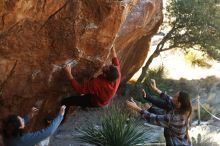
column 83, row 101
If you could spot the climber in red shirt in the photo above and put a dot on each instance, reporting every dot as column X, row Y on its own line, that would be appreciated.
column 97, row 92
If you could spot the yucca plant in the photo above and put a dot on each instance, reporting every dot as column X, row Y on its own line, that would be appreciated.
column 115, row 130
column 93, row 136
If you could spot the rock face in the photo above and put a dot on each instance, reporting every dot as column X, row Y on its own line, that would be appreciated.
column 36, row 36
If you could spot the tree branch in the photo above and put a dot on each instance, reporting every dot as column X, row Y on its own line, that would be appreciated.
column 156, row 53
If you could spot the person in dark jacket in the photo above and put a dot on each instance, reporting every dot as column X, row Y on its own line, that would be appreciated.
column 14, row 130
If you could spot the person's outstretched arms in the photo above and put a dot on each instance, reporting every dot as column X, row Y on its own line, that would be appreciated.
column 155, row 101
column 160, row 120
column 114, row 54
column 166, row 102
column 68, row 71
column 132, row 105
column 153, row 85
column 115, row 60
column 35, row 137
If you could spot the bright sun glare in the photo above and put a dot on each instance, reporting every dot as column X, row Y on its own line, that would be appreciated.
column 207, row 133
column 177, row 66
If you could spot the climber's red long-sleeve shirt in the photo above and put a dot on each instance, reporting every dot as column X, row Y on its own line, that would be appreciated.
column 101, row 89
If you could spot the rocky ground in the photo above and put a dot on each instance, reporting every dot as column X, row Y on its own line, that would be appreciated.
column 208, row 89
column 67, row 133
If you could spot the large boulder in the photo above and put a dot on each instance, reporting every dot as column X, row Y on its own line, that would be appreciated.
column 36, row 36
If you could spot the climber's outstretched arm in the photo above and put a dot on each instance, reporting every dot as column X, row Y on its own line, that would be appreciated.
column 68, row 71
column 114, row 55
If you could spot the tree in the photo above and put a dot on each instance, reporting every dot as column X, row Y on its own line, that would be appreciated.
column 194, row 24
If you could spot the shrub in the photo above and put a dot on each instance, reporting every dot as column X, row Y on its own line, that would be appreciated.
column 197, row 59
column 115, row 130
column 158, row 74
column 135, row 92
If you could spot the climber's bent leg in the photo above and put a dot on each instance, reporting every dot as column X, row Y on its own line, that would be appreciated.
column 83, row 101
